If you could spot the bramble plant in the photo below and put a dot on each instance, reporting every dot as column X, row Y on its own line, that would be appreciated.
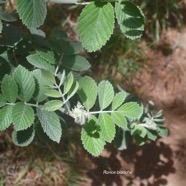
column 41, row 79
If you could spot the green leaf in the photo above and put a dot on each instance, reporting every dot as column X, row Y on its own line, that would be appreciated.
column 50, row 124
column 91, row 139
column 5, row 117
column 130, row 19
column 2, row 101
column 23, row 138
column 48, row 56
column 105, row 94
column 25, row 81
column 118, row 100
column 107, row 127
column 9, row 88
column 139, row 130
column 32, row 12
column 73, row 90
column 73, row 48
column 53, row 93
column 131, row 110
column 162, row 131
column 76, row 63
column 53, row 105
column 59, row 34
column 42, row 85
column 1, row 26
column 95, row 25
column 119, row 119
column 7, row 17
column 87, row 92
column 23, row 116
column 48, row 76
column 39, row 62
column 68, row 82
column 151, row 134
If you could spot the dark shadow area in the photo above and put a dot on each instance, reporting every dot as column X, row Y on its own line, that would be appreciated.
column 151, row 160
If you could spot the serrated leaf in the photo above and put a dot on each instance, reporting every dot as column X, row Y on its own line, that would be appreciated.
column 7, row 17
column 9, row 88
column 90, row 138
column 105, row 94
column 68, row 83
column 87, row 92
column 73, row 90
column 48, row 56
column 48, row 76
column 131, row 110
column 2, row 101
column 76, row 63
column 32, row 12
column 39, row 62
column 107, row 127
column 5, row 117
column 42, row 85
column 52, row 93
column 53, row 105
column 95, row 25
column 50, row 124
column 119, row 119
column 23, row 116
column 23, row 138
column 25, row 81
column 118, row 100
column 130, row 19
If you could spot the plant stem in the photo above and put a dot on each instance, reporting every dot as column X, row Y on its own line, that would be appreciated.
column 101, row 111
column 63, row 98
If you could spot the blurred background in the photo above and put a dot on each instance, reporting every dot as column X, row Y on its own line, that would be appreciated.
column 153, row 68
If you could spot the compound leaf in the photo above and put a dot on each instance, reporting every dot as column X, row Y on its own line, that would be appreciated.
column 23, row 116
column 50, row 124
column 32, row 12
column 95, row 25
